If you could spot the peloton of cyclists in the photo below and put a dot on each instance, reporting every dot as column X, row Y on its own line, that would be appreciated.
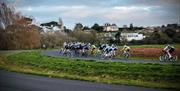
column 105, row 50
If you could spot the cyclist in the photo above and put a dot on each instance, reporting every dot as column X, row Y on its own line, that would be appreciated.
column 126, row 49
column 93, row 49
column 114, row 50
column 169, row 50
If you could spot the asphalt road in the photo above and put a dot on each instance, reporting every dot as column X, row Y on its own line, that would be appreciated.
column 11, row 81
column 55, row 53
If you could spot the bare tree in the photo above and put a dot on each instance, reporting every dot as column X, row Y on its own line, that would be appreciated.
column 19, row 32
column 8, row 16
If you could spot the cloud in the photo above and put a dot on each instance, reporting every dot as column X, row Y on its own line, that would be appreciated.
column 134, row 8
column 117, row 11
column 45, row 8
column 82, row 11
column 126, row 13
column 76, row 11
column 103, row 3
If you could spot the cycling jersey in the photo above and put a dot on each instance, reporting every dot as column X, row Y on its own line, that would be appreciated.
column 126, row 48
column 169, row 50
column 93, row 46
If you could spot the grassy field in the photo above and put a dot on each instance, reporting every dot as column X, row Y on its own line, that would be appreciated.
column 147, row 75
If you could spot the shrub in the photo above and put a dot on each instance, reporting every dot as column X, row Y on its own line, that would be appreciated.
column 20, row 37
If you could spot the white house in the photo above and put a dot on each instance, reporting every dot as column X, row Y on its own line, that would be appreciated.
column 132, row 36
column 110, row 27
column 50, row 29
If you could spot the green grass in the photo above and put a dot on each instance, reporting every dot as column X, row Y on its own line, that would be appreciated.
column 147, row 75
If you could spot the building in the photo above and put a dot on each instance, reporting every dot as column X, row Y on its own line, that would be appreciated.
column 110, row 27
column 52, row 26
column 132, row 36
column 125, row 26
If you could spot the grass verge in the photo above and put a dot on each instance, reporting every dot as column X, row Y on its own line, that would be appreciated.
column 146, row 75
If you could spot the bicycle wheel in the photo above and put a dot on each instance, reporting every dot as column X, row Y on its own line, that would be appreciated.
column 173, row 59
column 126, row 56
column 165, row 58
column 162, row 58
column 102, row 56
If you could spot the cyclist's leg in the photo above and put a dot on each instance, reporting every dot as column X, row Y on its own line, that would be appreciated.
column 111, row 54
column 104, row 54
column 124, row 53
column 114, row 53
column 127, row 54
column 94, row 52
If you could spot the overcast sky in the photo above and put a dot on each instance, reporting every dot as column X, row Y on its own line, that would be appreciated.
column 88, row 12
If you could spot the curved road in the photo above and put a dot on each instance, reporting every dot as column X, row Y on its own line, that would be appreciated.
column 55, row 53
column 11, row 81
